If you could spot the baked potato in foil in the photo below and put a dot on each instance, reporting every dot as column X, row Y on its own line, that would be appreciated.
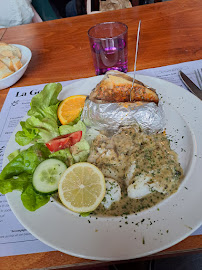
column 111, row 116
column 109, row 106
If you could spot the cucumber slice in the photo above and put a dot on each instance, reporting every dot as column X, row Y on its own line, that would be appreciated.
column 47, row 175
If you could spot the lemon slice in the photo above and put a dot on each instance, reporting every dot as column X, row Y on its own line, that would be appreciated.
column 70, row 108
column 82, row 187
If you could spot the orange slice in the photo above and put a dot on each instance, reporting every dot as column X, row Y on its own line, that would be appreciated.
column 70, row 108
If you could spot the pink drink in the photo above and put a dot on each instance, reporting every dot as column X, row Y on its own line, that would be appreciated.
column 108, row 42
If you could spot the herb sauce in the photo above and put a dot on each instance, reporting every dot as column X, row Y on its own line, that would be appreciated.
column 116, row 155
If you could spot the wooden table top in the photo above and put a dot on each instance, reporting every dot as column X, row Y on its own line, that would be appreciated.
column 170, row 33
column 2, row 31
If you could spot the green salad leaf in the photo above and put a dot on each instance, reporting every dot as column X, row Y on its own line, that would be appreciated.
column 17, row 175
column 27, row 135
column 64, row 155
column 26, row 161
column 41, row 104
column 66, row 129
column 80, row 151
column 85, row 214
column 19, row 182
column 42, row 125
column 39, row 130
column 32, row 200
column 13, row 154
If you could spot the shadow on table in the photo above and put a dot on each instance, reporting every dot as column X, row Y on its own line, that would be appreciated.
column 182, row 262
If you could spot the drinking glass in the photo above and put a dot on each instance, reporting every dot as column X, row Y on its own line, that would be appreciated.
column 109, row 46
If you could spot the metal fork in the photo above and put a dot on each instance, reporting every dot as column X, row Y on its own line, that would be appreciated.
column 198, row 75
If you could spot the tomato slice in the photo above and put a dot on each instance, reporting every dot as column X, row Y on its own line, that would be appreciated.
column 64, row 141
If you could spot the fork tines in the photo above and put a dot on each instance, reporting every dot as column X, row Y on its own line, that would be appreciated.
column 199, row 77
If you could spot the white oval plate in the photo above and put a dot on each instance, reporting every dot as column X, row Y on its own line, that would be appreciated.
column 13, row 78
column 148, row 232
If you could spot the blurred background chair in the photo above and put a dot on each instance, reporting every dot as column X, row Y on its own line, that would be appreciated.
column 93, row 6
column 45, row 10
column 56, row 9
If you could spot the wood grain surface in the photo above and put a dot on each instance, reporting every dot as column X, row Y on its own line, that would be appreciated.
column 57, row 260
column 2, row 31
column 171, row 33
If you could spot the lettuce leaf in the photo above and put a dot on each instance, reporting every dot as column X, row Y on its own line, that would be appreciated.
column 26, row 161
column 13, row 154
column 17, row 175
column 66, row 129
column 42, row 125
column 41, row 104
column 38, row 130
column 80, row 151
column 64, row 155
column 32, row 200
column 19, row 182
column 85, row 214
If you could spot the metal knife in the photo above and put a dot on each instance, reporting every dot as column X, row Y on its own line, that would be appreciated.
column 190, row 85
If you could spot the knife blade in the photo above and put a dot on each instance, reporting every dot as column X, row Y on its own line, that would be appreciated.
column 190, row 85
column 136, row 51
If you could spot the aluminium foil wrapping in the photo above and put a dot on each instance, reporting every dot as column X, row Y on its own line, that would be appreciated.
column 111, row 116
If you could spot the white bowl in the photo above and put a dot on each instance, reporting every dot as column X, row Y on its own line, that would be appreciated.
column 13, row 78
